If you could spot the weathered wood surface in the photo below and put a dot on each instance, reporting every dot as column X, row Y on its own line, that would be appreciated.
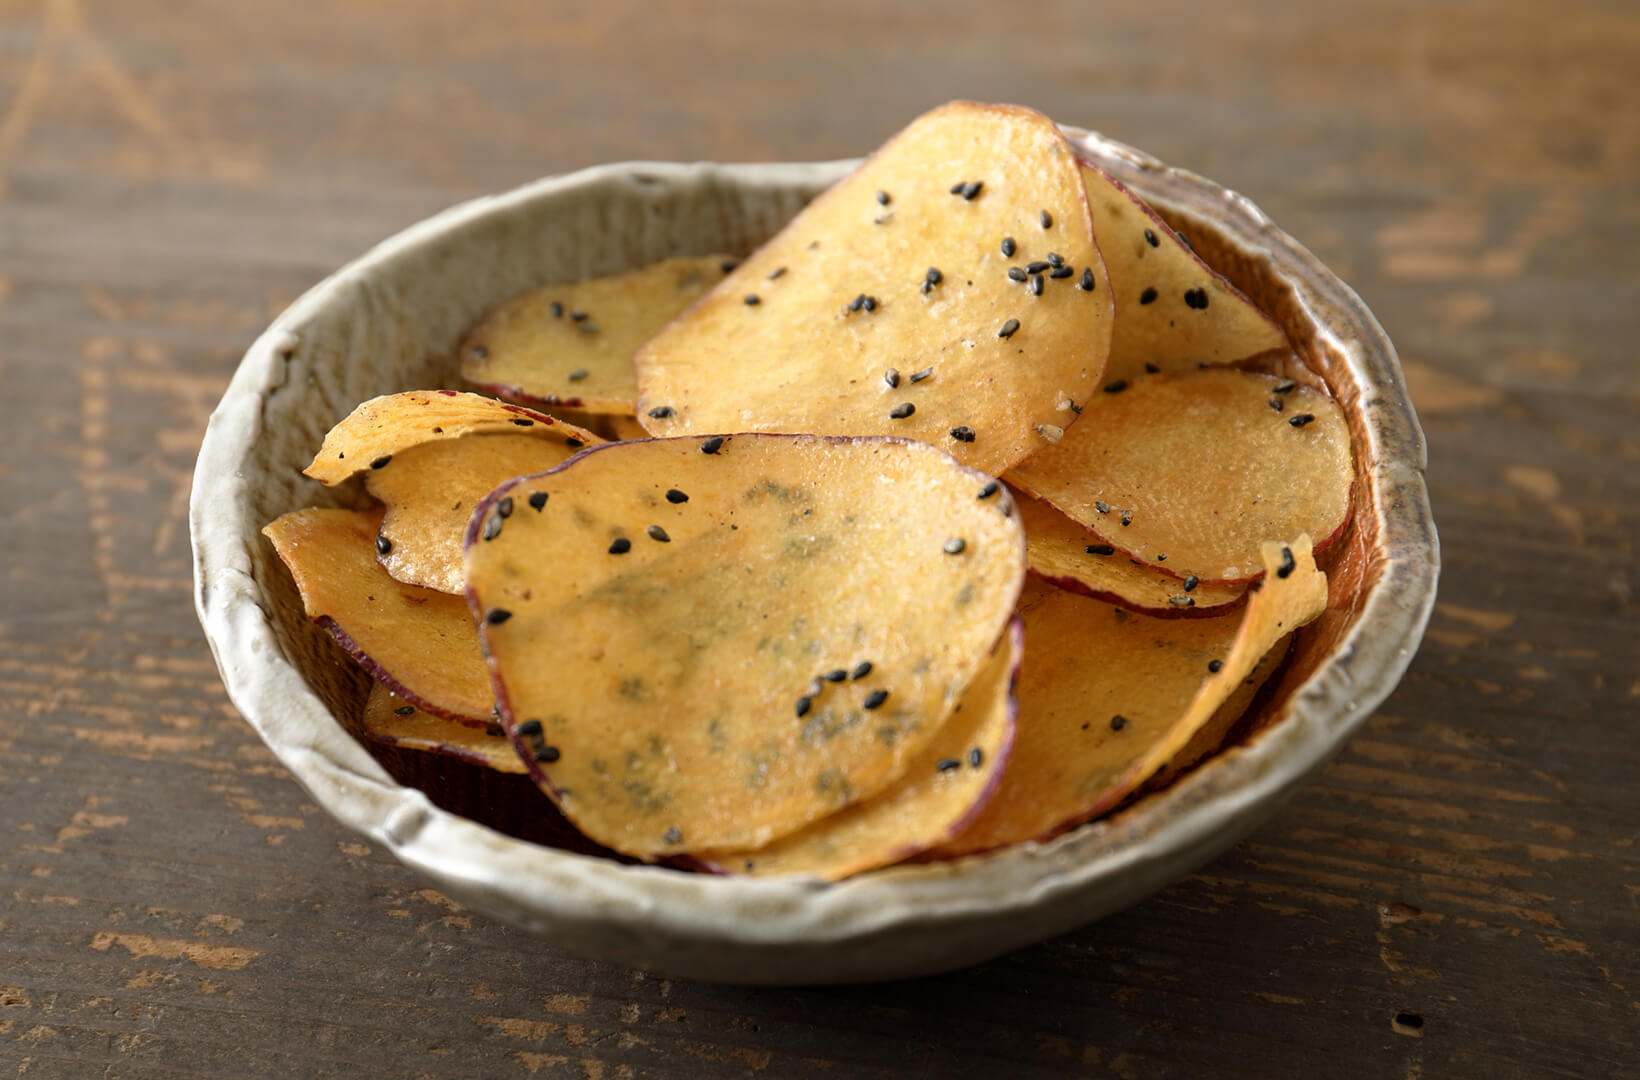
column 1457, row 895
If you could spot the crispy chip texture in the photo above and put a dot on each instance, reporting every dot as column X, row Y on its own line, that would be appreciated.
column 885, row 307
column 669, row 619
column 417, row 642
column 944, row 788
column 396, row 722
column 572, row 344
column 369, row 436
column 430, row 492
column 1107, row 697
column 1062, row 552
column 1173, row 311
column 1201, row 468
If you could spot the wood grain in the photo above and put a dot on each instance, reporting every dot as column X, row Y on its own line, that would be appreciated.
column 1457, row 895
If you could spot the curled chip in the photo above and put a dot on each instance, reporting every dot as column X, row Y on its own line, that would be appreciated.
column 1060, row 551
column 1200, row 468
column 430, row 491
column 1173, row 311
column 941, row 791
column 417, row 642
column 369, row 436
column 572, row 344
column 905, row 317
column 709, row 643
column 1109, row 698
column 395, row 722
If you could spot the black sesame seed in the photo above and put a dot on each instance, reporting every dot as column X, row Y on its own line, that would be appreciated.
column 861, row 670
column 875, row 699
column 956, row 188
column 728, row 266
column 522, row 422
column 989, row 489
column 557, row 310
column 381, row 462
column 658, row 534
column 1008, row 329
column 578, row 374
column 1038, row 266
column 1035, row 287
column 870, row 303
column 1301, row 419
column 1191, row 582
column 1118, row 722
column 548, row 754
column 919, row 376
column 1277, row 403
column 1055, row 259
column 777, row 273
column 954, row 546
column 497, row 616
column 383, row 544
column 883, row 198
column 1016, row 274
column 1185, row 240
column 404, row 710
column 972, row 188
column 1148, row 296
column 1286, row 386
column 1099, row 549
column 1181, row 601
column 673, row 495
column 572, row 441
column 933, row 277
column 1046, row 219
column 948, row 764
column 1288, row 564
column 1102, row 507
column 480, row 352
column 835, row 675
column 1127, row 518
column 505, row 506
column 857, row 303
column 1088, row 281
column 578, row 316
column 1009, row 247
column 976, row 756
column 1162, row 557
column 526, row 729
column 712, row 445
column 1116, row 387
column 661, row 412
column 492, row 526
column 1150, row 238
column 892, row 377
column 901, row 411
column 1196, row 299
column 538, row 500
column 1151, row 369
column 1062, row 272
column 673, row 835
column 803, row 706
column 620, row 546
column 752, row 299
column 964, row 434
column 1215, row 666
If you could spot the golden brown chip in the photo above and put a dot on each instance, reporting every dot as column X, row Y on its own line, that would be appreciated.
column 1062, row 552
column 430, row 492
column 418, row 643
column 369, row 436
column 711, row 642
column 396, row 722
column 572, row 344
column 1201, row 468
column 943, row 789
column 886, row 306
column 1173, row 311
column 1108, row 697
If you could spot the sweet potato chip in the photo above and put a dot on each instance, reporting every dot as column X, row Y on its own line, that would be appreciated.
column 707, row 643
column 944, row 788
column 418, row 643
column 369, row 436
column 572, row 344
column 395, row 722
column 1201, row 468
column 1107, row 697
column 887, row 308
column 1060, row 551
column 430, row 492
column 1173, row 311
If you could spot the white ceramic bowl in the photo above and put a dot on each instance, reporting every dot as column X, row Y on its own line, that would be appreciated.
column 391, row 321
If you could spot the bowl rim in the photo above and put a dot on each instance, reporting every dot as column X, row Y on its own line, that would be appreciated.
column 544, row 888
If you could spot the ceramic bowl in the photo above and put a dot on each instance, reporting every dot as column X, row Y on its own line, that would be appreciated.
column 391, row 321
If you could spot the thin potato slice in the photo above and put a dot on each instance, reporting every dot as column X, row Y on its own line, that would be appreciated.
column 944, row 788
column 369, row 436
column 1060, row 551
column 430, row 492
column 417, row 642
column 395, row 722
column 885, row 307
column 1173, row 311
column 663, row 629
column 572, row 344
column 1108, row 698
column 1201, row 468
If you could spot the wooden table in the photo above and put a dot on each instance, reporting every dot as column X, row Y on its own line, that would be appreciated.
column 1457, row 895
